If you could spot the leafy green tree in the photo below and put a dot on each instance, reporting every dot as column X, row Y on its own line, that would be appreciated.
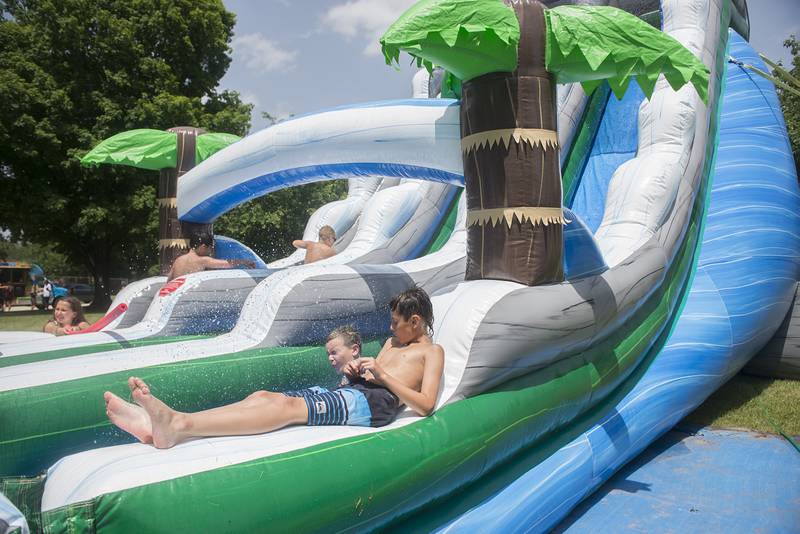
column 53, row 263
column 73, row 72
column 790, row 100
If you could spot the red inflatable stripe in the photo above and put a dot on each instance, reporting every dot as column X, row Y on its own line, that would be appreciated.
column 169, row 287
column 103, row 321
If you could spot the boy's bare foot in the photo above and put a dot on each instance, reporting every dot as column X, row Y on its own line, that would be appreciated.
column 129, row 417
column 135, row 382
column 164, row 420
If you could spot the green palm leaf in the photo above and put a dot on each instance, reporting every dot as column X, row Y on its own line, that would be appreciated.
column 152, row 149
column 590, row 44
column 143, row 149
column 468, row 37
column 208, row 144
column 584, row 44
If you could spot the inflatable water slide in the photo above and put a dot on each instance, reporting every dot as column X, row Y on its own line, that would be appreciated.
column 679, row 256
column 394, row 227
column 210, row 302
column 132, row 305
column 743, row 284
column 275, row 313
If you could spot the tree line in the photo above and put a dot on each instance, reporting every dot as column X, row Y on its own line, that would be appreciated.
column 790, row 100
column 74, row 72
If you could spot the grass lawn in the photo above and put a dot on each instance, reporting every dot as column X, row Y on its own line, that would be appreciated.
column 760, row 404
column 754, row 403
column 33, row 320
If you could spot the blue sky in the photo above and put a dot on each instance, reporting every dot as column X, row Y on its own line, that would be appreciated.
column 294, row 57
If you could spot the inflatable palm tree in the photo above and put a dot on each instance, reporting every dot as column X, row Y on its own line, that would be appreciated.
column 172, row 152
column 509, row 55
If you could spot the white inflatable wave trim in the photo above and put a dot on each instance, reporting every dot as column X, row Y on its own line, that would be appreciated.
column 405, row 139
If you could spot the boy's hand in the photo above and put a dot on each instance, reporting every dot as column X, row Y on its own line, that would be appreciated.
column 371, row 371
column 352, row 369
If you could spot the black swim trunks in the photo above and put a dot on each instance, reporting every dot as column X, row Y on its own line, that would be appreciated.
column 358, row 403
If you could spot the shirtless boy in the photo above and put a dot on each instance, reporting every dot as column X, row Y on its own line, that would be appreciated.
column 407, row 371
column 318, row 250
column 199, row 258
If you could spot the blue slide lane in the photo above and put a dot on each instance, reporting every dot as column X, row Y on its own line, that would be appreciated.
column 742, row 289
column 615, row 143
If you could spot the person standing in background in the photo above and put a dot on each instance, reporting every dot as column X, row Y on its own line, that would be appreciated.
column 47, row 293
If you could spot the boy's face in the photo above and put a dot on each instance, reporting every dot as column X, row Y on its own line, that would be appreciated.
column 405, row 330
column 340, row 354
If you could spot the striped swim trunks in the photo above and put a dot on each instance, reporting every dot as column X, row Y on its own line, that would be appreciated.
column 357, row 405
column 338, row 407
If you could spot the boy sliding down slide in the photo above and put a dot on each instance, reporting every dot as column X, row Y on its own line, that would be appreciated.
column 318, row 250
column 407, row 371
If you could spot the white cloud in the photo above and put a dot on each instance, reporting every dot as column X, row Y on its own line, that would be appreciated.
column 251, row 98
column 259, row 53
column 365, row 18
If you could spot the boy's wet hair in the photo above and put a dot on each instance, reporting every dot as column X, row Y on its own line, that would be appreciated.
column 327, row 232
column 201, row 239
column 414, row 301
column 349, row 335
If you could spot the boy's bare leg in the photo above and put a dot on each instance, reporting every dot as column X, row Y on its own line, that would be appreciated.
column 129, row 417
column 260, row 412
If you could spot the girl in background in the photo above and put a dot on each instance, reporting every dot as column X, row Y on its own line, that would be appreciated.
column 67, row 317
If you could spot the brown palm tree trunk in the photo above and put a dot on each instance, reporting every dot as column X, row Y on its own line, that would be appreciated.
column 172, row 239
column 511, row 165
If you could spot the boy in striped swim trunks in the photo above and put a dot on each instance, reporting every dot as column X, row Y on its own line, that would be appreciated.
column 407, row 371
column 355, row 401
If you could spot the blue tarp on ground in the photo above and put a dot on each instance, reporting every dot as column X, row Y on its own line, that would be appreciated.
column 699, row 481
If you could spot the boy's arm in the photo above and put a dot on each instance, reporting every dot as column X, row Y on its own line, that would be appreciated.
column 422, row 401
column 250, row 264
column 299, row 243
column 213, row 263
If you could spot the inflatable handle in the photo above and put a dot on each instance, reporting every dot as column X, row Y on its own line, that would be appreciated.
column 169, row 287
column 103, row 321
